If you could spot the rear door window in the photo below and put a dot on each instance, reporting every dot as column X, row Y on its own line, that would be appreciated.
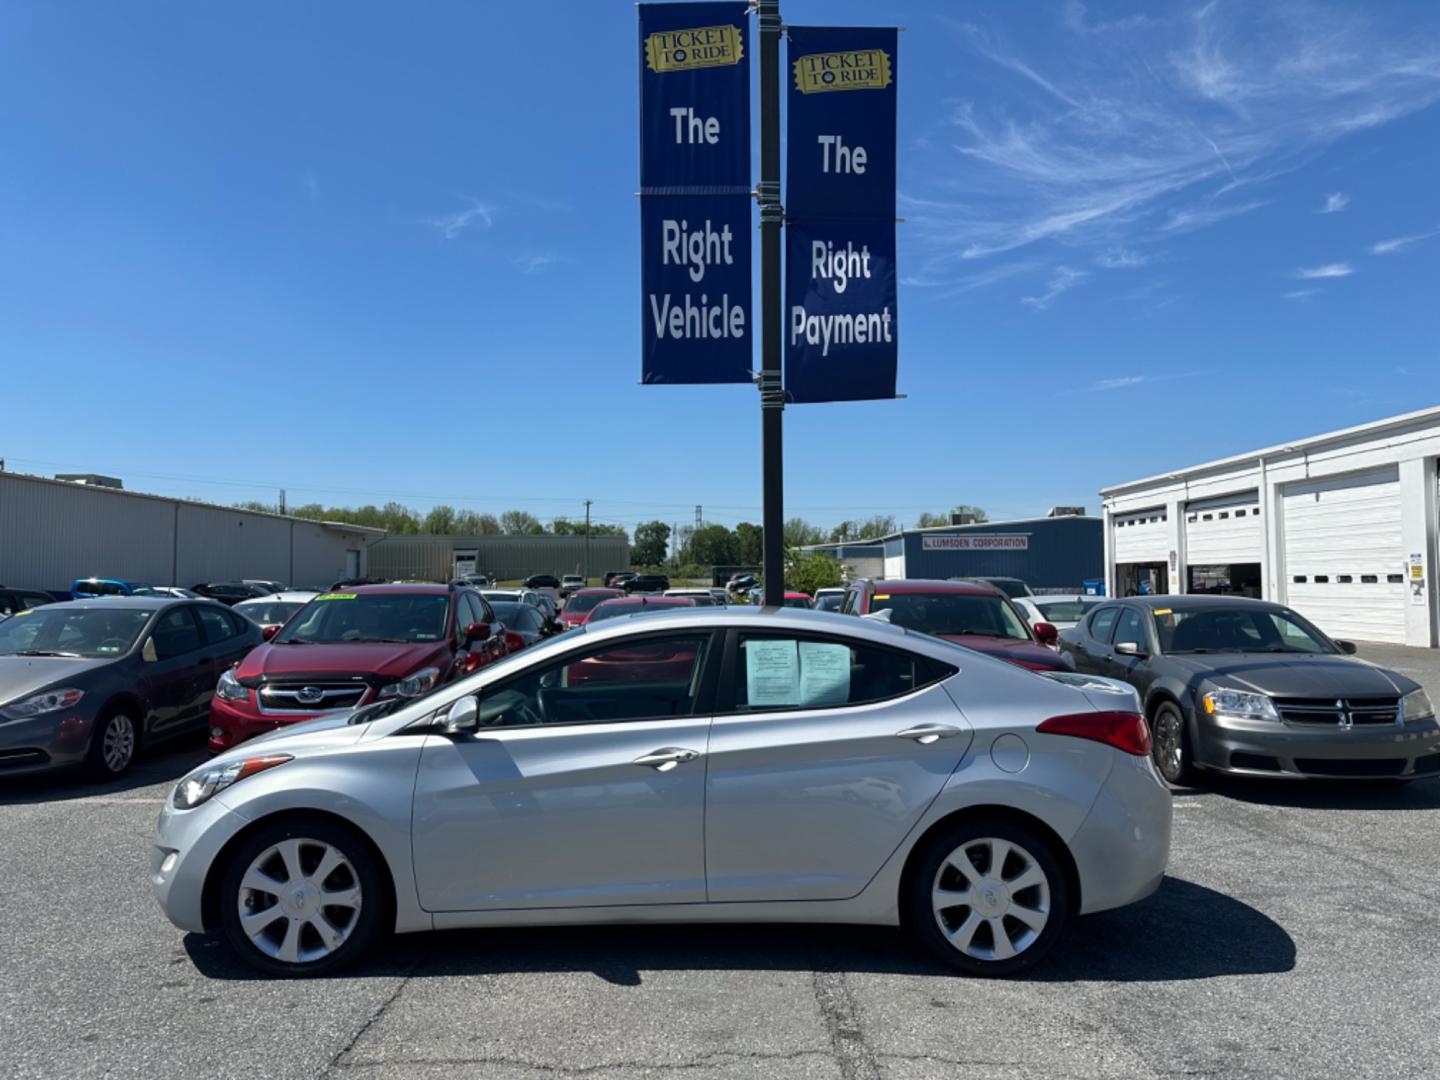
column 775, row 671
column 1102, row 624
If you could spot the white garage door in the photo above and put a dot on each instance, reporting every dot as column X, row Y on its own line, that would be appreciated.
column 1344, row 564
column 1224, row 530
column 1141, row 537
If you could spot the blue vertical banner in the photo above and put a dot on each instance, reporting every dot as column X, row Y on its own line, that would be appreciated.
column 841, row 339
column 695, row 193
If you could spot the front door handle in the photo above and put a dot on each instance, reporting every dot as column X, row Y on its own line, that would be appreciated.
column 928, row 733
column 666, row 758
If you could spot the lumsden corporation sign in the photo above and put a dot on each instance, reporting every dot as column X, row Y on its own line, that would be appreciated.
column 986, row 542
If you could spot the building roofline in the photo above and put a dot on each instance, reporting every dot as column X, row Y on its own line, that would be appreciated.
column 1295, row 446
column 951, row 529
column 71, row 485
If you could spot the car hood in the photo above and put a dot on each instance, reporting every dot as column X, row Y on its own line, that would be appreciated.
column 21, row 676
column 1297, row 675
column 1025, row 653
column 388, row 661
column 320, row 733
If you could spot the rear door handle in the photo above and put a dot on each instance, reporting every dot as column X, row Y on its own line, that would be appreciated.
column 928, row 733
column 666, row 758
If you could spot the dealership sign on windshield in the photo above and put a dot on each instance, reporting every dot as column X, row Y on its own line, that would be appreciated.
column 987, row 542
column 695, row 193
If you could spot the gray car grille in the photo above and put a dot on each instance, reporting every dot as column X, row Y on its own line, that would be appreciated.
column 309, row 697
column 1339, row 712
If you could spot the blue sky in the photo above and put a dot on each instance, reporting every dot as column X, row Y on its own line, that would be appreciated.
column 368, row 251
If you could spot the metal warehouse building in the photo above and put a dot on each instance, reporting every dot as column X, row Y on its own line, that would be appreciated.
column 1050, row 554
column 505, row 558
column 54, row 531
column 1340, row 526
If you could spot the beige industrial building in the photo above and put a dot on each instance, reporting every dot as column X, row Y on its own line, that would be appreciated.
column 54, row 531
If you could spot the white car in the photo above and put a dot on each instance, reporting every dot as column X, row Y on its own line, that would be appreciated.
column 274, row 610
column 702, row 597
column 829, row 599
column 1060, row 610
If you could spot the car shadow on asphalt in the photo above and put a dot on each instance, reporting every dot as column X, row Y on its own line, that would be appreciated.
column 163, row 764
column 1321, row 794
column 1185, row 931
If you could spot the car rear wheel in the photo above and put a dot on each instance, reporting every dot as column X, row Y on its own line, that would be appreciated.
column 302, row 898
column 113, row 743
column 1170, row 745
column 990, row 899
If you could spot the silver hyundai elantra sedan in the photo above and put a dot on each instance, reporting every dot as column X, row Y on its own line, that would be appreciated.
column 704, row 764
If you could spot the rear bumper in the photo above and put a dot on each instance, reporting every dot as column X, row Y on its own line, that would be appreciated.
column 1265, row 748
column 1123, row 846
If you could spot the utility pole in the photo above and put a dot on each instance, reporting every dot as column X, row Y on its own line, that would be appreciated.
column 772, row 394
column 587, row 541
column 697, row 517
column 282, row 500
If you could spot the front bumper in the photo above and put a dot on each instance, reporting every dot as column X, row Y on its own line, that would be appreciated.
column 232, row 723
column 43, row 743
column 1268, row 748
column 186, row 845
column 1123, row 846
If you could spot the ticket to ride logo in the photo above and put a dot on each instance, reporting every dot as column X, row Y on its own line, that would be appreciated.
column 860, row 69
column 685, row 50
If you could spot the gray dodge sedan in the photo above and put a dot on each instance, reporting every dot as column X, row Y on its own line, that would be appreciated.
column 85, row 683
column 704, row 765
column 1246, row 686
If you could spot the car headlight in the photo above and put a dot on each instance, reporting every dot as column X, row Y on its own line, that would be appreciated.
column 40, row 704
column 229, row 688
column 199, row 786
column 1239, row 704
column 1416, row 706
column 413, row 686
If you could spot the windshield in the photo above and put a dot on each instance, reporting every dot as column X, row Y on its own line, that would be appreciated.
column 797, row 601
column 586, row 601
column 952, row 613
column 52, row 631
column 268, row 612
column 612, row 610
column 829, row 602
column 1063, row 610
column 1011, row 587
column 1238, row 629
column 355, row 617
column 99, row 588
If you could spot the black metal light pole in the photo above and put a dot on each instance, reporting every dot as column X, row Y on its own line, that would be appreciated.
column 772, row 395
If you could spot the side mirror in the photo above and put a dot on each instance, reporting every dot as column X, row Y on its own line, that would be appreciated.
column 1130, row 648
column 148, row 653
column 462, row 718
column 268, row 632
column 476, row 631
column 1347, row 647
column 1045, row 633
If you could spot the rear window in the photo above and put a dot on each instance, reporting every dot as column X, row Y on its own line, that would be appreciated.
column 1061, row 610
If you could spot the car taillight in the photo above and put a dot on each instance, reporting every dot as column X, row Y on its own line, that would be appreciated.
column 1123, row 730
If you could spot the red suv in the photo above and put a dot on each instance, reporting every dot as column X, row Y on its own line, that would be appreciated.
column 349, row 648
column 980, row 617
column 581, row 602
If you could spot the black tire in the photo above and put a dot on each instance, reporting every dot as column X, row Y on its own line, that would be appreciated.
column 114, row 742
column 936, row 868
column 1170, row 745
column 363, row 870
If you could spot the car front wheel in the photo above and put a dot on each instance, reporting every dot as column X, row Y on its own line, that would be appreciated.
column 113, row 743
column 302, row 898
column 1170, row 746
column 990, row 899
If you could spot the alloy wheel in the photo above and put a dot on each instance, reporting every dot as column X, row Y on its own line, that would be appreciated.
column 1169, row 749
column 117, row 745
column 991, row 899
column 299, row 900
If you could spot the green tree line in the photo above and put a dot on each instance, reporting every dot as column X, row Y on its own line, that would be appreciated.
column 399, row 520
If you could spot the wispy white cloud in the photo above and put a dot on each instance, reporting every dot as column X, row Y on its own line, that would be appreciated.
column 1123, row 382
column 1300, row 294
column 452, row 225
column 1149, row 129
column 1329, row 270
column 1061, row 281
column 1121, row 258
column 539, row 262
column 1334, row 203
column 1400, row 243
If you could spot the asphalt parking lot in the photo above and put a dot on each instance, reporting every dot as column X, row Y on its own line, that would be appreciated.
column 1294, row 938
